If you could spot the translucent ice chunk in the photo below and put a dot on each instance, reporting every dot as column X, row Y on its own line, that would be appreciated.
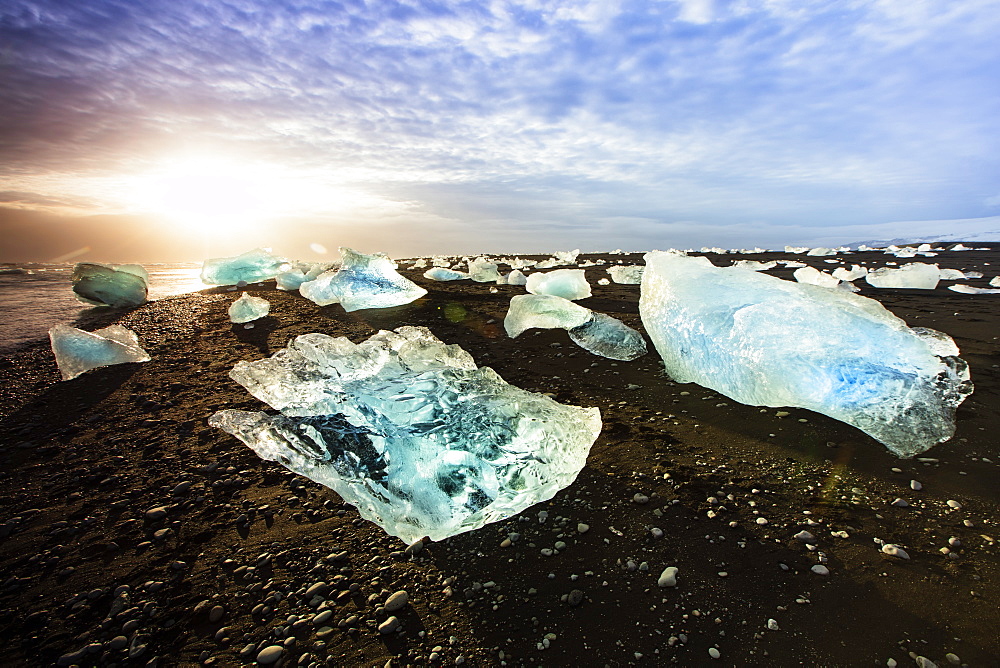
column 121, row 286
column 78, row 351
column 516, row 277
column 814, row 276
column 626, row 275
column 442, row 274
column 482, row 270
column 290, row 280
column 915, row 275
column 543, row 312
column 969, row 290
column 754, row 265
column 819, row 252
column 248, row 308
column 597, row 333
column 363, row 281
column 854, row 273
column 565, row 283
column 609, row 337
column 250, row 267
column 410, row 431
column 995, row 281
column 767, row 342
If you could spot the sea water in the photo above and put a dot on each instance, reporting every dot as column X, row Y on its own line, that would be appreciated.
column 32, row 302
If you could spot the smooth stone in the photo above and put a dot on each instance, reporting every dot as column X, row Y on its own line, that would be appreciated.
column 396, row 601
column 575, row 598
column 388, row 626
column 668, row 578
column 216, row 613
column 270, row 655
column 894, row 551
column 582, row 528
column 820, row 569
column 714, row 653
column 157, row 513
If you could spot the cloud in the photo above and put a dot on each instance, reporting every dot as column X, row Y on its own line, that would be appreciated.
column 772, row 111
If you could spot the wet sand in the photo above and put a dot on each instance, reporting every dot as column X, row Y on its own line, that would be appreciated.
column 87, row 578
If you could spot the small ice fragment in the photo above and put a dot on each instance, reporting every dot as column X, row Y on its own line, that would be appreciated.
column 626, row 275
column 252, row 266
column 603, row 281
column 362, row 282
column 915, row 275
column 516, row 277
column 543, row 312
column 566, row 283
column 814, row 276
column 121, row 286
column 969, row 290
column 248, row 308
column 609, row 337
column 78, row 351
column 363, row 418
column 442, row 274
column 481, row 270
column 767, row 342
column 995, row 281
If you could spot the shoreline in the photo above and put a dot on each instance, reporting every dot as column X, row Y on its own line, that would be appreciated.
column 91, row 456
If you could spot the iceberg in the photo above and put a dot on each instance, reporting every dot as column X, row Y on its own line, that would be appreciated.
column 250, row 267
column 566, row 283
column 915, row 275
column 767, row 342
column 442, row 274
column 626, row 275
column 814, row 276
column 820, row 252
column 121, row 286
column 597, row 333
column 755, row 265
column 854, row 273
column 481, row 270
column 517, row 277
column 362, row 281
column 78, row 351
column 248, row 308
column 410, row 430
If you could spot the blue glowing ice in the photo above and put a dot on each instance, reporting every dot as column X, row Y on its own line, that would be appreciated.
column 78, row 351
column 410, row 431
column 250, row 267
column 248, row 308
column 764, row 341
column 121, row 286
column 363, row 281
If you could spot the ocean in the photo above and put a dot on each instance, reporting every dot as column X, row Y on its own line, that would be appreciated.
column 34, row 301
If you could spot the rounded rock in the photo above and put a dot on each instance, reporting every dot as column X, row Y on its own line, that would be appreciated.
column 668, row 578
column 389, row 625
column 396, row 601
column 270, row 655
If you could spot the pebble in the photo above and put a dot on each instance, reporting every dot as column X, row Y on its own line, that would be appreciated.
column 118, row 642
column 915, row 486
column 900, row 503
column 389, row 625
column 640, row 499
column 575, row 598
column 772, row 625
column 396, row 601
column 714, row 653
column 216, row 613
column 954, row 504
column 415, row 547
column 582, row 528
column 270, row 655
column 657, row 532
column 952, row 659
column 668, row 578
column 895, row 551
column 805, row 537
column 157, row 513
column 820, row 569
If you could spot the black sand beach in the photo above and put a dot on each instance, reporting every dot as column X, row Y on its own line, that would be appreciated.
column 232, row 560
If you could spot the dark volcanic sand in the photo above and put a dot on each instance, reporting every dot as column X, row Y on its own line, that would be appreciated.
column 82, row 462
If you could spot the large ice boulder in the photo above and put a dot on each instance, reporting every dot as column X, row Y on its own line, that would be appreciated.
column 362, row 281
column 915, row 275
column 250, row 267
column 248, row 308
column 410, row 431
column 78, row 351
column 566, row 283
column 767, row 342
column 597, row 333
column 120, row 286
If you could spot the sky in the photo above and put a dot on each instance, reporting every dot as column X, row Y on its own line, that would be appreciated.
column 143, row 130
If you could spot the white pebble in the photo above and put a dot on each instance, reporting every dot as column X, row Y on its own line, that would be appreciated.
column 668, row 578
column 820, row 569
column 954, row 504
column 915, row 486
column 895, row 551
column 714, row 653
column 772, row 625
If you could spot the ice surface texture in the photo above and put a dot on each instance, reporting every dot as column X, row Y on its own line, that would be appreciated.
column 565, row 283
column 250, row 267
column 482, row 270
column 122, row 286
column 410, row 431
column 767, row 342
column 78, row 351
column 597, row 333
column 248, row 308
column 363, row 281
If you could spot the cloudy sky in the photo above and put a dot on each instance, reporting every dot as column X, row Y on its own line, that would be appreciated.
column 144, row 129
